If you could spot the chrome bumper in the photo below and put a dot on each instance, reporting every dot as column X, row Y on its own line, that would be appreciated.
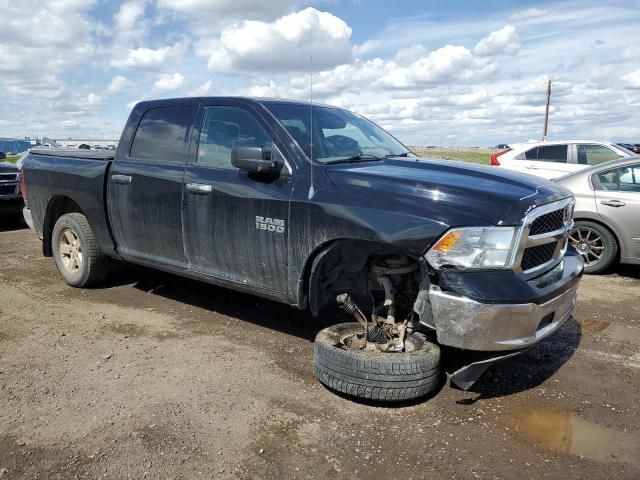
column 464, row 323
column 26, row 213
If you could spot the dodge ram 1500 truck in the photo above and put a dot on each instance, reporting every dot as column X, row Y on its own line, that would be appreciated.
column 316, row 206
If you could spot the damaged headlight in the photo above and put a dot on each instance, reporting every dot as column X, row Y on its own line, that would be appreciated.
column 474, row 247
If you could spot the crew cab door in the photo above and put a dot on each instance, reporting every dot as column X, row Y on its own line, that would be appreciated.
column 617, row 193
column 548, row 161
column 236, row 223
column 145, row 187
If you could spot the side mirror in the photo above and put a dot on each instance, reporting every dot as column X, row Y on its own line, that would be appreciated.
column 255, row 160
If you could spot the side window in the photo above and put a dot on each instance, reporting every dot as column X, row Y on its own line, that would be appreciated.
column 589, row 154
column 624, row 179
column 162, row 134
column 227, row 127
column 547, row 153
column 531, row 154
column 553, row 153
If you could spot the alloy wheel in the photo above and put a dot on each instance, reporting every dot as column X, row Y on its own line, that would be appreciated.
column 588, row 243
column 70, row 250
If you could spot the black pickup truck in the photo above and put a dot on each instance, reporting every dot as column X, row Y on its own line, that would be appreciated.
column 316, row 206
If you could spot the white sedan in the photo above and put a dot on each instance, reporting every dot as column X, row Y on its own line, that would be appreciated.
column 551, row 160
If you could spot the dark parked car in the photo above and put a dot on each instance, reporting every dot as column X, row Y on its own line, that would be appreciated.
column 315, row 206
column 10, row 197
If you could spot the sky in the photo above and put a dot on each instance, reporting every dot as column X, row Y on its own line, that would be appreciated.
column 431, row 72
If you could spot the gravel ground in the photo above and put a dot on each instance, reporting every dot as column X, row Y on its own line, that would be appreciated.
column 154, row 376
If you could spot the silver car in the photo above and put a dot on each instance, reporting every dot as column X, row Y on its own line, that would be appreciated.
column 607, row 213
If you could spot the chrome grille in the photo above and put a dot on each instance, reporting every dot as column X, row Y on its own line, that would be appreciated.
column 8, row 177
column 8, row 190
column 535, row 256
column 549, row 222
column 544, row 236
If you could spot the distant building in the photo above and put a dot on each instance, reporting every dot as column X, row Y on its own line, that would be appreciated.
column 92, row 142
column 15, row 145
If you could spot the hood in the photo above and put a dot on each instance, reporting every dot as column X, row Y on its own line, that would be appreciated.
column 450, row 192
column 6, row 167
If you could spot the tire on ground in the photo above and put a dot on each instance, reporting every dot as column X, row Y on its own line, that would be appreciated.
column 610, row 247
column 375, row 375
column 94, row 264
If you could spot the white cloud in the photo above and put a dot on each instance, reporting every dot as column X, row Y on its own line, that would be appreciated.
column 246, row 8
column 284, row 45
column 149, row 58
column 168, row 82
column 632, row 79
column 202, row 90
column 129, row 14
column 528, row 13
column 501, row 42
column 366, row 47
column 118, row 83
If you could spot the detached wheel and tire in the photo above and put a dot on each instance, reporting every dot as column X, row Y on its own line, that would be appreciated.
column 375, row 375
column 596, row 244
column 75, row 251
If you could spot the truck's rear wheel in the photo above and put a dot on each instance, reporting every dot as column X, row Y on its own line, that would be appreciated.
column 75, row 251
column 376, row 375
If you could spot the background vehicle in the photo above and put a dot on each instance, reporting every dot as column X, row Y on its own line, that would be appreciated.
column 315, row 206
column 10, row 197
column 553, row 159
column 607, row 213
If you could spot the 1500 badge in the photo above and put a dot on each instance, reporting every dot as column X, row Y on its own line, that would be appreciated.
column 270, row 224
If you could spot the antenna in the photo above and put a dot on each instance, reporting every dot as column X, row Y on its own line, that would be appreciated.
column 312, row 190
column 546, row 111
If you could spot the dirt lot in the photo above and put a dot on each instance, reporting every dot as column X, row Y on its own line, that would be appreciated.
column 154, row 376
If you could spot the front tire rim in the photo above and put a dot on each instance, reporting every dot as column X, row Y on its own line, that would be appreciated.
column 589, row 243
column 70, row 251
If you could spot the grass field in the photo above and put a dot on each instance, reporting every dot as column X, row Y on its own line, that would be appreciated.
column 12, row 158
column 472, row 155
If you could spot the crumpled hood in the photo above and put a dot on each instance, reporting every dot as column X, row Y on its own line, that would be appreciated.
column 450, row 192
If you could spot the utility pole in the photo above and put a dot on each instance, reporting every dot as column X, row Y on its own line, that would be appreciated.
column 546, row 111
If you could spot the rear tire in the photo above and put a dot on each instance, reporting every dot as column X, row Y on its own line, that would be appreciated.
column 375, row 375
column 76, row 253
column 596, row 244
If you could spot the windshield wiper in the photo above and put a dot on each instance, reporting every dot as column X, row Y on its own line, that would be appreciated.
column 354, row 159
column 404, row 154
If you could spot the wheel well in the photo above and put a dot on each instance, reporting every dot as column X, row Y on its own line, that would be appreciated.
column 58, row 206
column 604, row 225
column 344, row 266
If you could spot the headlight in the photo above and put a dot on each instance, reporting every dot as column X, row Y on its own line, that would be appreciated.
column 474, row 247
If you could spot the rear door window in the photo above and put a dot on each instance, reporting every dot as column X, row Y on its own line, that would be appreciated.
column 162, row 134
column 624, row 179
column 548, row 153
column 591, row 154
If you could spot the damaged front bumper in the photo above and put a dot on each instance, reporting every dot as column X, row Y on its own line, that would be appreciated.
column 472, row 324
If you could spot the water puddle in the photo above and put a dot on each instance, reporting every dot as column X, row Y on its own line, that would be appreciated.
column 594, row 325
column 614, row 331
column 622, row 332
column 564, row 432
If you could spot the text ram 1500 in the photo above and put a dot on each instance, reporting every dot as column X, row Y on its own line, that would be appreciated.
column 312, row 205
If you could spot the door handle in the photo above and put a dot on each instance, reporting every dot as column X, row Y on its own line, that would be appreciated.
column 531, row 167
column 200, row 188
column 122, row 179
column 613, row 203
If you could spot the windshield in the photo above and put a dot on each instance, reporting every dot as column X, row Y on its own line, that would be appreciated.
column 337, row 134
